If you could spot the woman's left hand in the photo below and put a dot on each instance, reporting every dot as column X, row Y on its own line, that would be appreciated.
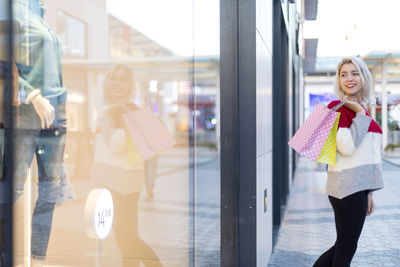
column 371, row 205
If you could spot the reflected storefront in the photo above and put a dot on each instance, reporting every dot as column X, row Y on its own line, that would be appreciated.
column 114, row 134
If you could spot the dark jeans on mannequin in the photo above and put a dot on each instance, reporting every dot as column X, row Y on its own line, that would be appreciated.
column 48, row 145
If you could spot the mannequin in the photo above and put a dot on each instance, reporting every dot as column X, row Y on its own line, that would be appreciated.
column 39, row 121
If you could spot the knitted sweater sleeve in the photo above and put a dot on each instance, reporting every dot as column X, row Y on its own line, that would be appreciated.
column 351, row 131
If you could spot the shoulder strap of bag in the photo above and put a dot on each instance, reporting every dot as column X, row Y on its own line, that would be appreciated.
column 339, row 105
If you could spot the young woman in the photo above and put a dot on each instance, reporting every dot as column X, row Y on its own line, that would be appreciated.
column 114, row 170
column 358, row 169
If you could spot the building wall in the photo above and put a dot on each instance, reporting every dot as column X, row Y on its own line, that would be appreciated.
column 286, row 103
column 249, row 70
column 264, row 129
column 248, row 110
column 100, row 3
column 95, row 17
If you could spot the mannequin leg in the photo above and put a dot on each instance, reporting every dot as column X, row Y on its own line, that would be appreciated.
column 24, row 147
column 50, row 158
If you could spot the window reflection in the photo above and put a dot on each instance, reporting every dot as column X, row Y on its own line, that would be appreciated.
column 117, row 156
column 72, row 32
column 101, row 79
column 126, row 42
column 39, row 118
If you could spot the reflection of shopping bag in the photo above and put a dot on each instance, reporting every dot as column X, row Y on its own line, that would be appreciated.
column 148, row 133
column 312, row 137
column 133, row 152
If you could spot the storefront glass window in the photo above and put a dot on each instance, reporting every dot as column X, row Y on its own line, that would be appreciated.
column 116, row 133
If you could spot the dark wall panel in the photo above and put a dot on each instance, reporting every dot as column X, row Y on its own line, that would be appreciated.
column 280, row 95
column 229, row 133
column 238, row 133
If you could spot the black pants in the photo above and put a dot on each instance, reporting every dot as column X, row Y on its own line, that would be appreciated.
column 350, row 213
column 126, row 229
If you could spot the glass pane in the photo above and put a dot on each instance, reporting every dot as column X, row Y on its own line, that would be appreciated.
column 8, row 86
column 110, row 124
column 207, row 132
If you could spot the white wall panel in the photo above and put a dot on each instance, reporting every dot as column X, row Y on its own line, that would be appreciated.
column 262, row 99
column 264, row 219
column 264, row 130
column 264, row 21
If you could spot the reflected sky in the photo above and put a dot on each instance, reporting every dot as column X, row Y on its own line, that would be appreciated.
column 156, row 18
column 354, row 27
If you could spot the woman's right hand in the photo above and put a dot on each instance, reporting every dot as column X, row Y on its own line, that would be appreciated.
column 354, row 106
column 371, row 205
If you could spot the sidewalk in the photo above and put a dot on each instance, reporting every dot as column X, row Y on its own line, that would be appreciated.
column 308, row 227
column 392, row 160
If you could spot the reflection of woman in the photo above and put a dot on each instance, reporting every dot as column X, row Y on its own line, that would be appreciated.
column 114, row 170
column 40, row 119
column 358, row 169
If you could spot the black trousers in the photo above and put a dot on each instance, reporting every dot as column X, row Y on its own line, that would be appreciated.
column 350, row 213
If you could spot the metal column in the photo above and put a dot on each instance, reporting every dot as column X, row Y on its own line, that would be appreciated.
column 372, row 96
column 384, row 106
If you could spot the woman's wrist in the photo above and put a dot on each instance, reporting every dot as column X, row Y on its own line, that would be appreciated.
column 362, row 111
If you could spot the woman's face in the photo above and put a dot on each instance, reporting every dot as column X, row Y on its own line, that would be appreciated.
column 350, row 80
column 119, row 83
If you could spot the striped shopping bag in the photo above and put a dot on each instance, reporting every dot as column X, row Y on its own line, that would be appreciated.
column 316, row 138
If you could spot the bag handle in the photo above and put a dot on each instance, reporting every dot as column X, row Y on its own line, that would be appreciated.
column 123, row 106
column 339, row 105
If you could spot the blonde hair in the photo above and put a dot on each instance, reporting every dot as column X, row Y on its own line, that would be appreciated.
column 366, row 78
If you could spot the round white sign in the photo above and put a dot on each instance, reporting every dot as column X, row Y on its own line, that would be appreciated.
column 99, row 213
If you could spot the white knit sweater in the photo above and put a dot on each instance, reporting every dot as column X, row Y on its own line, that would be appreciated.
column 358, row 159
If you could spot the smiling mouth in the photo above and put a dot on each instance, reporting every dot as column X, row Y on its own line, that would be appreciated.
column 350, row 85
column 116, row 89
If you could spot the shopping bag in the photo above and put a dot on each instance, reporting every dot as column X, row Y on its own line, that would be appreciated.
column 148, row 134
column 312, row 136
column 328, row 152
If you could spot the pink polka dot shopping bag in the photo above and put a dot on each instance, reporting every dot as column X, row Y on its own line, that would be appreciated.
column 148, row 135
column 316, row 138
